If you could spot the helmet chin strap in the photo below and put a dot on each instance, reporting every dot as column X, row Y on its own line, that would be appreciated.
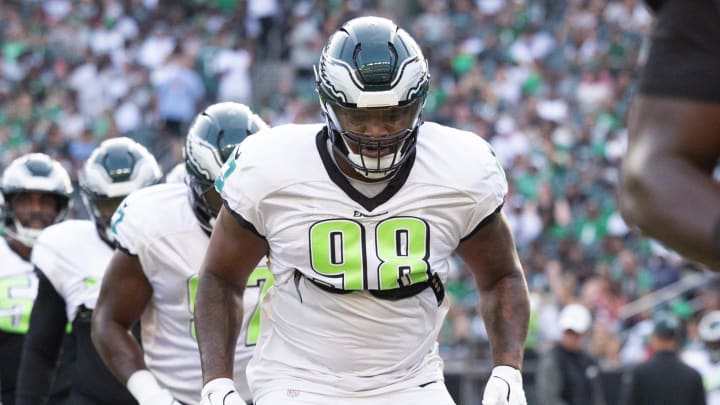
column 108, row 234
column 26, row 236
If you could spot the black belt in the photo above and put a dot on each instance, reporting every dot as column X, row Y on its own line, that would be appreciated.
column 393, row 294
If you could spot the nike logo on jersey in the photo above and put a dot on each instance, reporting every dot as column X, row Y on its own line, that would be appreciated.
column 359, row 214
column 237, row 152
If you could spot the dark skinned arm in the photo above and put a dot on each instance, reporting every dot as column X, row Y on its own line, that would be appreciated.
column 491, row 256
column 667, row 189
column 123, row 296
column 43, row 342
column 233, row 253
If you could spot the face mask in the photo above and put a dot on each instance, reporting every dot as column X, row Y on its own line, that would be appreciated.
column 26, row 236
column 380, row 163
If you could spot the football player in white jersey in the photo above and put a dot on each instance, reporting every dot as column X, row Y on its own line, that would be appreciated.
column 161, row 233
column 177, row 174
column 36, row 190
column 706, row 360
column 359, row 218
column 70, row 259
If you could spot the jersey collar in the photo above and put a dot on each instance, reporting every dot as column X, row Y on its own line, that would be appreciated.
column 369, row 203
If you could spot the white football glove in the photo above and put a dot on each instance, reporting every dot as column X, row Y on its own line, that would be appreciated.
column 147, row 391
column 504, row 387
column 220, row 391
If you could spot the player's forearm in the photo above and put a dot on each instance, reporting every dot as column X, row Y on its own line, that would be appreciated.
column 218, row 319
column 667, row 188
column 37, row 367
column 117, row 347
column 41, row 348
column 686, row 216
column 506, row 312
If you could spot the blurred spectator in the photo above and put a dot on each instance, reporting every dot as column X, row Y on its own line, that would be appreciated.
column 178, row 91
column 80, row 148
column 233, row 65
column 664, row 379
column 261, row 16
column 567, row 375
column 156, row 47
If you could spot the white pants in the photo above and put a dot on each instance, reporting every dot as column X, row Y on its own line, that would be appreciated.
column 431, row 394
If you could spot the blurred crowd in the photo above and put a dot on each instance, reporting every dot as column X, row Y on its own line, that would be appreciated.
column 547, row 82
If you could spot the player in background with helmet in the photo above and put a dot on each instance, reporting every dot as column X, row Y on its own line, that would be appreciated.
column 36, row 190
column 707, row 359
column 161, row 234
column 359, row 217
column 70, row 259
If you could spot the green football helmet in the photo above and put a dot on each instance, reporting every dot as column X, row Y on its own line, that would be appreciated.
column 117, row 167
column 34, row 172
column 210, row 141
column 372, row 74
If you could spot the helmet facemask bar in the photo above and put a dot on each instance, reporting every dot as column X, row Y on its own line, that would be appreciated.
column 205, row 201
column 27, row 234
column 374, row 156
column 101, row 208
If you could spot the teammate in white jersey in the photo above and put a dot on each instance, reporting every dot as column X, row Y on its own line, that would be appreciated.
column 177, row 174
column 162, row 232
column 70, row 259
column 706, row 360
column 359, row 218
column 36, row 190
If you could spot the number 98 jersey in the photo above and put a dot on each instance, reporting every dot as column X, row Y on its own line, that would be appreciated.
column 286, row 187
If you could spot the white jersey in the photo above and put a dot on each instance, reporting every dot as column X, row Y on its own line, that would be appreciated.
column 285, row 185
column 18, row 289
column 157, row 224
column 699, row 359
column 74, row 269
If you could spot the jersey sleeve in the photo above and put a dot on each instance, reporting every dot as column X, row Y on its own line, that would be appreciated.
column 489, row 187
column 241, row 184
column 126, row 226
column 46, row 257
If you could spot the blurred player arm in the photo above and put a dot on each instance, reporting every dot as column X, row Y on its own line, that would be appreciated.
column 233, row 253
column 124, row 294
column 43, row 342
column 668, row 191
column 491, row 256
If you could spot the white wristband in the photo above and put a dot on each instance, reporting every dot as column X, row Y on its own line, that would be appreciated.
column 143, row 386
